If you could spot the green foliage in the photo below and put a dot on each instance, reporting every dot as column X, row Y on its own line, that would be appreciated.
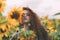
column 5, row 38
column 57, row 14
column 0, row 14
column 58, row 28
column 55, row 36
column 27, row 33
column 3, row 21
column 45, row 22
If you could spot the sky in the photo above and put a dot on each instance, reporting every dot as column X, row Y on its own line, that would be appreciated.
column 40, row 7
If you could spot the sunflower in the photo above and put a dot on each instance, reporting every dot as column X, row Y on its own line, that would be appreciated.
column 2, row 5
column 4, row 30
column 14, row 16
column 46, row 17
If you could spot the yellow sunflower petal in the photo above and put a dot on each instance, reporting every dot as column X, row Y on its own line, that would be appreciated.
column 2, row 5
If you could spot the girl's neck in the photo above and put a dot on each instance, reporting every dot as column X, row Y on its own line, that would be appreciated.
column 25, row 26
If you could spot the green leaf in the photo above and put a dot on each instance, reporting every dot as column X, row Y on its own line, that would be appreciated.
column 23, row 34
column 57, row 13
column 54, row 34
column 27, row 33
column 29, row 24
column 0, row 14
column 5, row 38
column 58, row 28
column 53, row 24
column 45, row 22
column 31, row 33
column 3, row 21
column 48, row 30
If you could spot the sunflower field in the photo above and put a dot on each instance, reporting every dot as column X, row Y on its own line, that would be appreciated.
column 9, row 24
column 52, row 26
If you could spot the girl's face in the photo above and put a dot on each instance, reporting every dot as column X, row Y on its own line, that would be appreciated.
column 26, row 17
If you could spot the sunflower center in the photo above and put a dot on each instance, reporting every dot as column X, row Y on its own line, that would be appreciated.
column 2, row 31
column 15, row 15
column 0, row 5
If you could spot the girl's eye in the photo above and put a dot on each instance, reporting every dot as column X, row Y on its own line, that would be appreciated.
column 26, row 14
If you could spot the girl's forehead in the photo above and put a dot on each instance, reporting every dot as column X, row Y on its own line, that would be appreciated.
column 25, row 11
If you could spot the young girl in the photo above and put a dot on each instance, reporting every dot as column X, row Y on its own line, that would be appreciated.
column 32, row 22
